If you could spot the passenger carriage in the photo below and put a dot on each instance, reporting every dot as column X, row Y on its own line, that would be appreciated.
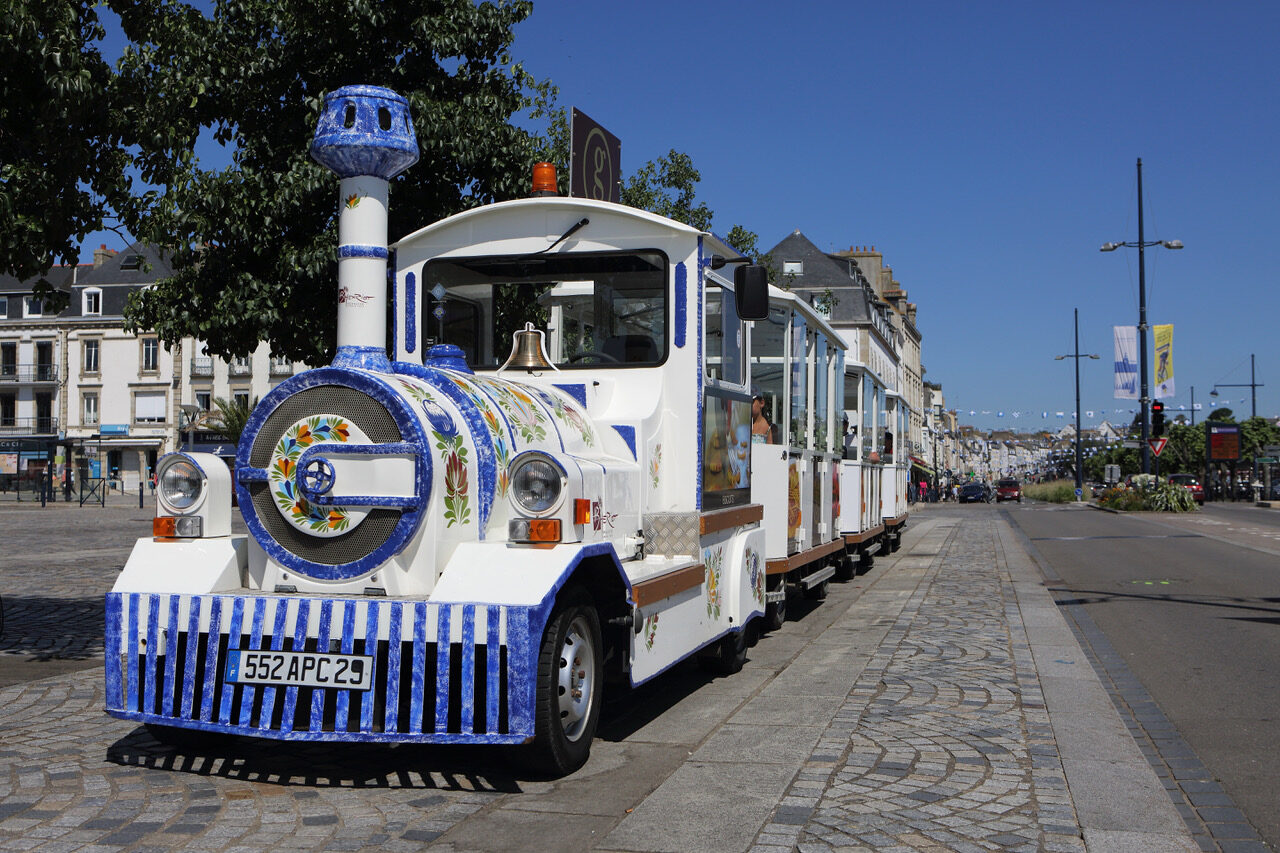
column 541, row 478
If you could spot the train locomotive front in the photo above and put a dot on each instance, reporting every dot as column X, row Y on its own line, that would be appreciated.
column 360, row 483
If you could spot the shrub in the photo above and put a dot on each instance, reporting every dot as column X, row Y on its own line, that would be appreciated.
column 1150, row 496
column 1056, row 491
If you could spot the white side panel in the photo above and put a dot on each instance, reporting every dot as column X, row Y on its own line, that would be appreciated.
column 193, row 566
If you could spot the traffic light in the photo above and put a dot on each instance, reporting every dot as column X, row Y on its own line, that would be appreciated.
column 1157, row 419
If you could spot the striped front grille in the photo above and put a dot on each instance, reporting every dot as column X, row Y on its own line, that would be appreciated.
column 449, row 673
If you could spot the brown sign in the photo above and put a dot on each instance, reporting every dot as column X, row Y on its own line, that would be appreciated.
column 1222, row 442
column 595, row 163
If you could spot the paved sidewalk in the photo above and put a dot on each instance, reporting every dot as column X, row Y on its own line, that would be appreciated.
column 939, row 703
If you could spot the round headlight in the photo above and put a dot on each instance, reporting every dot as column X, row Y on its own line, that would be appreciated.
column 180, row 484
column 535, row 485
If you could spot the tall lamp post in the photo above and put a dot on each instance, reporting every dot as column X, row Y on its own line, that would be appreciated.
column 1077, row 355
column 1141, row 245
column 1252, row 385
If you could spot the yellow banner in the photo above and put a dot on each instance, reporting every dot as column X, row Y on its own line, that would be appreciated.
column 1164, row 361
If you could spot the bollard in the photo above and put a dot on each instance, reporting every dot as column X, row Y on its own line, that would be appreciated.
column 44, row 494
column 139, row 496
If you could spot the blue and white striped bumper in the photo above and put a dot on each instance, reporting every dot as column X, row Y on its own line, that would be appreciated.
column 443, row 673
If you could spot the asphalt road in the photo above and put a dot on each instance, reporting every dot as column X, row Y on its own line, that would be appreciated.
column 1192, row 605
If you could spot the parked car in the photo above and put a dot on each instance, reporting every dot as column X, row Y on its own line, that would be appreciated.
column 974, row 492
column 1008, row 490
column 1191, row 484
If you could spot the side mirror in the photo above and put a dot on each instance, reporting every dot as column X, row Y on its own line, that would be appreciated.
column 751, row 292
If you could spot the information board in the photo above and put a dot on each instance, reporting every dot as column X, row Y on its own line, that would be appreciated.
column 1222, row 442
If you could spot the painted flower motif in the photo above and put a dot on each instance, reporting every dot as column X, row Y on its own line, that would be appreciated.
column 713, row 558
column 655, row 465
column 650, row 630
column 282, row 473
column 352, row 201
column 453, row 453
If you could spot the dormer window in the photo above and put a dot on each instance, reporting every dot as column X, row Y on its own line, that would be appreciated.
column 793, row 267
column 32, row 306
column 91, row 301
column 132, row 262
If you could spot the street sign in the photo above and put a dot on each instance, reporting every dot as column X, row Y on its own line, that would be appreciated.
column 1157, row 444
column 1266, row 460
column 1271, row 449
column 1134, row 444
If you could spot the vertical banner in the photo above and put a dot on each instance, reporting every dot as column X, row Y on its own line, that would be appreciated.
column 1126, row 377
column 1164, row 361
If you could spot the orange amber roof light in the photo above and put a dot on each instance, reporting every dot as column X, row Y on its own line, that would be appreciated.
column 544, row 179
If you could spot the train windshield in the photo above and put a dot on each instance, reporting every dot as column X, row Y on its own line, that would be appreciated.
column 606, row 309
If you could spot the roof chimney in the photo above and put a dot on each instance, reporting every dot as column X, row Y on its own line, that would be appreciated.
column 101, row 255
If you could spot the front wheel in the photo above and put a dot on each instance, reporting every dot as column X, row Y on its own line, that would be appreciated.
column 570, row 678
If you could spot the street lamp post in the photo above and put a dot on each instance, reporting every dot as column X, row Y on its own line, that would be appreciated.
column 1252, row 385
column 1077, row 355
column 1141, row 245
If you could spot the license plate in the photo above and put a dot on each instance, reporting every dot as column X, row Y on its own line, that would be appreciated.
column 300, row 669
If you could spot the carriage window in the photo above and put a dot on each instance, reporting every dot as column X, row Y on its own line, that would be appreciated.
column 801, row 346
column 821, row 367
column 606, row 309
column 768, row 379
column 723, row 333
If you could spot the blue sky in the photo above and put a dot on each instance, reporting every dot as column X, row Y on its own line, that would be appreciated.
column 987, row 150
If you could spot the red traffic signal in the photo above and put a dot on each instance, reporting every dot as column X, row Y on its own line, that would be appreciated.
column 1157, row 418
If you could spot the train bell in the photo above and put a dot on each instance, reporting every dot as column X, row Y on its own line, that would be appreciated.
column 528, row 351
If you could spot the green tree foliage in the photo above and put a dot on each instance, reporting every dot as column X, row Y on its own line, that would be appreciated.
column 668, row 186
column 230, row 417
column 61, row 170
column 253, row 243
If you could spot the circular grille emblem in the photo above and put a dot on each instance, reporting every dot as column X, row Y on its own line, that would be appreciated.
column 287, row 479
column 317, row 477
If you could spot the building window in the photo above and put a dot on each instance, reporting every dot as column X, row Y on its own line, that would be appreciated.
column 8, row 410
column 89, row 408
column 149, row 406
column 4, row 307
column 150, row 355
column 793, row 267
column 91, row 301
column 91, row 352
column 32, row 306
column 241, row 399
column 44, row 413
column 132, row 262
column 9, row 359
column 204, row 399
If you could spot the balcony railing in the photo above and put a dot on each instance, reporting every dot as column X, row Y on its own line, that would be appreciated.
column 202, row 366
column 28, row 373
column 240, row 368
column 28, row 426
column 281, row 368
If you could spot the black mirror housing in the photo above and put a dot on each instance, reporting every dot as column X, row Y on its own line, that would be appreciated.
column 751, row 291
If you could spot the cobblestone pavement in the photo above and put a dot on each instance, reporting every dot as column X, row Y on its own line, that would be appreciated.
column 937, row 735
column 944, row 742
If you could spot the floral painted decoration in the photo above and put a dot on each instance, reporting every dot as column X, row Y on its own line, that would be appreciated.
column 282, row 474
column 352, row 201
column 755, row 575
column 655, row 465
column 650, row 629
column 714, row 560
column 453, row 452
column 519, row 407
column 497, row 432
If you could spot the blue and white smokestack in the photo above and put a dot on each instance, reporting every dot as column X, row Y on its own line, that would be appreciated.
column 366, row 138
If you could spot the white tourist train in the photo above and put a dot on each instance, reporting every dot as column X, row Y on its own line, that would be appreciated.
column 549, row 476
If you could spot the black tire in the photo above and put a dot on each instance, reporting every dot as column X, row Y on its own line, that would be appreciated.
column 775, row 612
column 728, row 655
column 570, row 682
column 846, row 568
